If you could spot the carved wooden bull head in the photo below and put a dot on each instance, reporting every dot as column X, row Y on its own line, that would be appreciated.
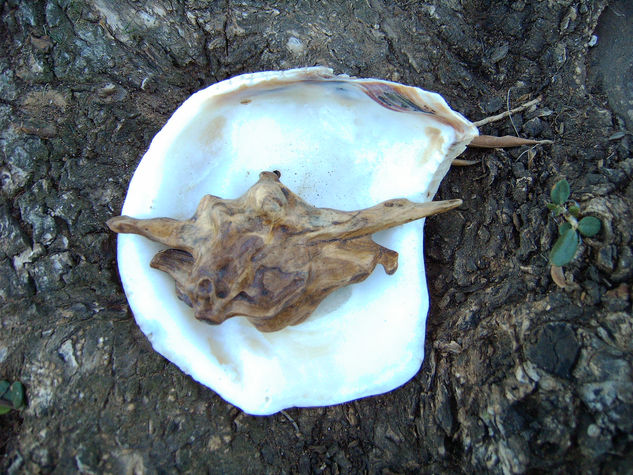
column 269, row 255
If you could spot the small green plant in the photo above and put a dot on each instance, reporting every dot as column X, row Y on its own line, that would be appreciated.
column 11, row 396
column 569, row 231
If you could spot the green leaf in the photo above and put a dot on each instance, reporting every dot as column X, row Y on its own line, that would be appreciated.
column 556, row 209
column 4, row 387
column 574, row 211
column 563, row 228
column 560, row 192
column 564, row 248
column 4, row 408
column 16, row 395
column 589, row 226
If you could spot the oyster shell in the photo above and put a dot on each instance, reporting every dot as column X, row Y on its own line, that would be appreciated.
column 339, row 143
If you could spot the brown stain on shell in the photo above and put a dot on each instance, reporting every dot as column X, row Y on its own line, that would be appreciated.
column 214, row 131
column 436, row 139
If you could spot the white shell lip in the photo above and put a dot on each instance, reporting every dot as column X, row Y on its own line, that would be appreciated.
column 365, row 339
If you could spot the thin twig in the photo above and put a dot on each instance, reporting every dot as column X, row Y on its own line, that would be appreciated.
column 292, row 421
column 460, row 162
column 516, row 132
column 527, row 151
column 46, row 132
column 492, row 141
column 507, row 113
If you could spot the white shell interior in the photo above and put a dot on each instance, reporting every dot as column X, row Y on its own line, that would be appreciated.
column 335, row 147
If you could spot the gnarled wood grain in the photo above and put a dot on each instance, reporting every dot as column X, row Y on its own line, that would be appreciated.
column 269, row 255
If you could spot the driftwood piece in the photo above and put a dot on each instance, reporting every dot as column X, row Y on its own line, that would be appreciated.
column 269, row 255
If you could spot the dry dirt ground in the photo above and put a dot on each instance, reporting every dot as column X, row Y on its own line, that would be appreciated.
column 520, row 376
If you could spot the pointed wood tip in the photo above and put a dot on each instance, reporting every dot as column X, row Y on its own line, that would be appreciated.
column 117, row 223
column 446, row 205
